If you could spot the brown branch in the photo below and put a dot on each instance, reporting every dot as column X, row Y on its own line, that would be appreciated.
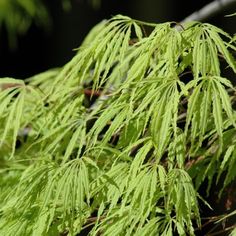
column 90, row 92
column 222, row 231
column 10, row 85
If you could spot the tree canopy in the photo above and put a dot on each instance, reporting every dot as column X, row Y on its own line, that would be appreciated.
column 120, row 139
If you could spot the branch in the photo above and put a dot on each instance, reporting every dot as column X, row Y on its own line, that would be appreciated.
column 209, row 10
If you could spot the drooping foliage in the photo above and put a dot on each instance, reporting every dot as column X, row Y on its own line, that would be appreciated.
column 120, row 139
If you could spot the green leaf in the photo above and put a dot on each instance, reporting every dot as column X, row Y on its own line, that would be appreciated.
column 205, row 108
column 217, row 111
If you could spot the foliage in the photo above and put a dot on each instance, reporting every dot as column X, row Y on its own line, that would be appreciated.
column 18, row 15
column 120, row 139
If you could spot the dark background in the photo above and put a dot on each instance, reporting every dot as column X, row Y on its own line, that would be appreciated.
column 40, row 50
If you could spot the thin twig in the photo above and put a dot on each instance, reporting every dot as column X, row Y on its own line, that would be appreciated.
column 210, row 220
column 222, row 231
column 209, row 10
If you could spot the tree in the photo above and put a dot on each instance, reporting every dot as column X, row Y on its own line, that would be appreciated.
column 121, row 138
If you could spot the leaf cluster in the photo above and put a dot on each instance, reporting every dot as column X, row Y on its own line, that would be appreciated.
column 120, row 139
